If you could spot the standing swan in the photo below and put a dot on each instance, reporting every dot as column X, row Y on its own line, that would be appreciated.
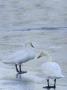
column 22, row 56
column 51, row 70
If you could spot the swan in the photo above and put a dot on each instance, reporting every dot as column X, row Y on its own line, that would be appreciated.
column 17, row 58
column 51, row 70
column 21, row 56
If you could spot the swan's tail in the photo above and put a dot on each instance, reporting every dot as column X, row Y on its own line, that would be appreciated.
column 62, row 76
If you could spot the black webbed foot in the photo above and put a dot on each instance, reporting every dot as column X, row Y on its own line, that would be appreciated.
column 22, row 72
column 49, row 87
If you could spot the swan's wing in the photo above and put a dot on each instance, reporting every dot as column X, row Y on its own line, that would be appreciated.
column 51, row 69
column 20, row 57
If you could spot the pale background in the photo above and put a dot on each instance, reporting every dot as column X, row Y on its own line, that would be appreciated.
column 44, row 23
column 18, row 14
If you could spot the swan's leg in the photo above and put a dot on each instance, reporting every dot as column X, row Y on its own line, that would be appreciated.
column 54, row 83
column 20, row 71
column 47, row 84
column 20, row 68
column 16, row 68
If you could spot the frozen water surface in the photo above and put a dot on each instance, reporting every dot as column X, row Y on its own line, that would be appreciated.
column 44, row 23
column 52, row 41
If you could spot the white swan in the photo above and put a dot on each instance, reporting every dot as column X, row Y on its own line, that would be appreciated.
column 22, row 56
column 51, row 70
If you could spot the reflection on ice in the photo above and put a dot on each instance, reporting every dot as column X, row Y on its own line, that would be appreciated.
column 29, row 77
column 22, row 81
column 16, row 84
column 18, row 76
column 12, row 85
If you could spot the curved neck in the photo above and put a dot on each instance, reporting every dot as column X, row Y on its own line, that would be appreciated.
column 29, row 45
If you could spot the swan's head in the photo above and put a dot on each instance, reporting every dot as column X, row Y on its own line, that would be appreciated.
column 42, row 54
column 29, row 44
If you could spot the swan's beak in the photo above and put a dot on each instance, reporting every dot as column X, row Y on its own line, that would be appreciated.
column 41, row 55
column 32, row 45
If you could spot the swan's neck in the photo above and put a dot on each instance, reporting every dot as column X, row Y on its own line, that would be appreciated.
column 29, row 45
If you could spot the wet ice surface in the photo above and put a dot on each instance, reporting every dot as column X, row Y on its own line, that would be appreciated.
column 55, row 42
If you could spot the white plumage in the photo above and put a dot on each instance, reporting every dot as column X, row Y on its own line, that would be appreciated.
column 22, row 56
column 52, row 70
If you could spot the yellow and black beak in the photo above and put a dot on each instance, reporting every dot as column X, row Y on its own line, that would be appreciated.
column 41, row 55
